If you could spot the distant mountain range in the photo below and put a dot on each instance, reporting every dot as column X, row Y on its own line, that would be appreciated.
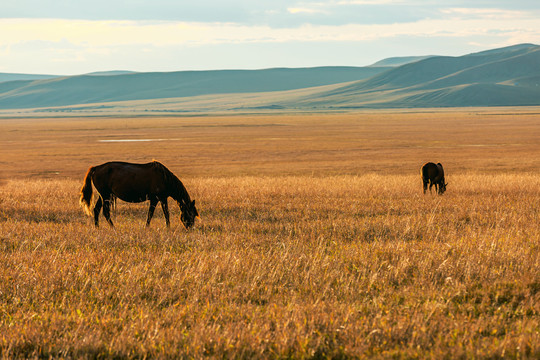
column 398, row 61
column 507, row 76
column 4, row 77
column 86, row 89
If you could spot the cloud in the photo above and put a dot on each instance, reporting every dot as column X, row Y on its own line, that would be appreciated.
column 104, row 44
column 102, row 34
column 305, row 10
column 484, row 13
column 273, row 13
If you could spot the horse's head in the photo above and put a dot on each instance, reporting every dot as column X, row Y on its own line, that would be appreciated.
column 189, row 213
column 442, row 187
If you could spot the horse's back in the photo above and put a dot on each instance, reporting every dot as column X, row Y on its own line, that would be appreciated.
column 129, row 181
column 429, row 171
column 123, row 169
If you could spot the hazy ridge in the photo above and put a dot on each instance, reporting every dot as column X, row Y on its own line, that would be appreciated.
column 500, row 77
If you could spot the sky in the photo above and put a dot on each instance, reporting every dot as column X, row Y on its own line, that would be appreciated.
column 67, row 37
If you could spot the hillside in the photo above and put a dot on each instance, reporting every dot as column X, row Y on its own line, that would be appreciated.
column 500, row 77
column 16, row 77
column 503, row 77
column 86, row 89
column 398, row 61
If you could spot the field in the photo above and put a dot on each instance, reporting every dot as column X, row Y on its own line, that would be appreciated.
column 316, row 240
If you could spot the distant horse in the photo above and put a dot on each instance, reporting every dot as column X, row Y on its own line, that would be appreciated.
column 136, row 183
column 433, row 174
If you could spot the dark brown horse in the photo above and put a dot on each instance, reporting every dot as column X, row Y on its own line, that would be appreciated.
column 136, row 183
column 433, row 174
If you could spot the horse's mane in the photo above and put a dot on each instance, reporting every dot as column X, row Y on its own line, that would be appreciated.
column 439, row 165
column 172, row 181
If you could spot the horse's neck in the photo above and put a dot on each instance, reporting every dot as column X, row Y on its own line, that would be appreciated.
column 441, row 170
column 181, row 194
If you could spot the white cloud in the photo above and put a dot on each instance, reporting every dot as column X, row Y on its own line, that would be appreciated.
column 484, row 13
column 305, row 10
column 103, row 45
column 104, row 34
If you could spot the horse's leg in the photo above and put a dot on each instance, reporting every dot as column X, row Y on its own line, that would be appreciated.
column 107, row 211
column 424, row 183
column 153, row 203
column 97, row 209
column 430, row 186
column 165, row 207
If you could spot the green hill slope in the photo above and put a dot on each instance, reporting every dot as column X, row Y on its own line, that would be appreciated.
column 86, row 89
column 501, row 77
column 471, row 95
column 439, row 67
column 16, row 77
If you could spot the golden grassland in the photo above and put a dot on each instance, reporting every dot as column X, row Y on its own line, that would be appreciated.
column 479, row 140
column 314, row 242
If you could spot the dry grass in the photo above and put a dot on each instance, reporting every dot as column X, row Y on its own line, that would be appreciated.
column 280, row 267
column 479, row 140
column 359, row 264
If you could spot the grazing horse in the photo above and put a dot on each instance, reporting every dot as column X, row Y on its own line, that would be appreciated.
column 433, row 174
column 136, row 183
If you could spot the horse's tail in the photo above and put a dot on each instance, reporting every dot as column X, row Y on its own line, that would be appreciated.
column 87, row 192
column 424, row 173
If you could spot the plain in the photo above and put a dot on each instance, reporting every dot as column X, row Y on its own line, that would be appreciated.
column 315, row 241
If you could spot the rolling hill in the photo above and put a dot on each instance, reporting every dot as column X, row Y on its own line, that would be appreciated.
column 87, row 89
column 16, row 77
column 503, row 77
column 398, row 61
column 507, row 76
